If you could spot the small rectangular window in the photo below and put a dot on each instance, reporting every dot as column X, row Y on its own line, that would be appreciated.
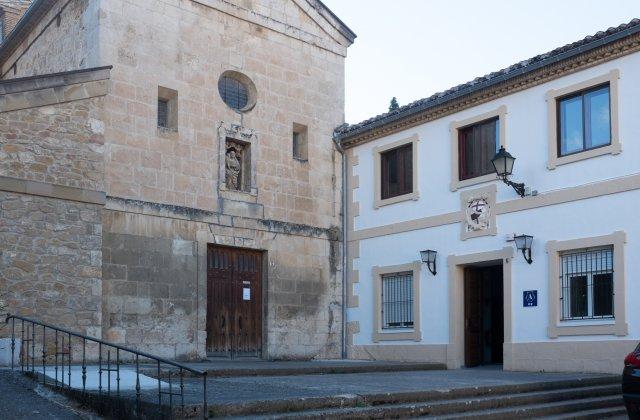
column 397, row 300
column 584, row 120
column 163, row 113
column 477, row 145
column 300, row 142
column 587, row 283
column 167, row 109
column 396, row 171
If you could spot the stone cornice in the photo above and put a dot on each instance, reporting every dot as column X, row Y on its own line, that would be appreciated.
column 512, row 85
column 37, row 91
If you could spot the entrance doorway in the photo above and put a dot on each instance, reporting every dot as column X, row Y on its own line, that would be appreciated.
column 483, row 315
column 234, row 302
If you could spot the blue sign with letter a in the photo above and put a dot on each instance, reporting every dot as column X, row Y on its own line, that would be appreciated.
column 529, row 298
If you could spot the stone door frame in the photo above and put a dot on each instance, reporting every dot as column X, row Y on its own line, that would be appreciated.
column 456, row 265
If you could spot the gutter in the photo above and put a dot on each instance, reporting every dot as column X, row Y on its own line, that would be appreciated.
column 343, row 191
column 493, row 81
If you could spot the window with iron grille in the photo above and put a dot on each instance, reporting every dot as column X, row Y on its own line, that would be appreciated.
column 233, row 92
column 397, row 300
column 163, row 113
column 587, row 283
column 477, row 145
column 397, row 171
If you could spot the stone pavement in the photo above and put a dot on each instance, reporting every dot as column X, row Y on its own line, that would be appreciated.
column 23, row 398
column 263, row 388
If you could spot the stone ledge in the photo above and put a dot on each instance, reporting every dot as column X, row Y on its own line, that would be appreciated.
column 32, row 92
column 62, row 192
column 51, row 80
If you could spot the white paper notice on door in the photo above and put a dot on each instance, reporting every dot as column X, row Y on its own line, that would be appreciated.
column 246, row 293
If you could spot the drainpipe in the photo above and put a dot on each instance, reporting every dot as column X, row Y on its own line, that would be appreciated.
column 343, row 187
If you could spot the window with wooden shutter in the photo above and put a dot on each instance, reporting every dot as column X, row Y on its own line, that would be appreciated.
column 396, row 171
column 477, row 145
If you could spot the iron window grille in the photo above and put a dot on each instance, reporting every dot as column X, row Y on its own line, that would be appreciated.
column 587, row 284
column 397, row 300
column 233, row 92
column 163, row 113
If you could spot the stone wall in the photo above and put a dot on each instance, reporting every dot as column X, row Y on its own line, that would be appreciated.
column 51, row 198
column 59, row 144
column 150, row 291
column 164, row 186
column 51, row 259
column 186, row 46
column 154, row 280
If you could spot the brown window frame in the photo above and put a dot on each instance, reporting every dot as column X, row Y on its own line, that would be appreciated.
column 463, row 172
column 404, row 171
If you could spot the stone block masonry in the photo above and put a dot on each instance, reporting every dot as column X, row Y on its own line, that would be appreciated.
column 51, row 199
column 51, row 260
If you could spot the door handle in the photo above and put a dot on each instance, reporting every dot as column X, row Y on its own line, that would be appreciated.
column 223, row 322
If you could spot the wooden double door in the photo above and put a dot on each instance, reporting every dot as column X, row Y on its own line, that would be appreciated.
column 483, row 315
column 234, row 302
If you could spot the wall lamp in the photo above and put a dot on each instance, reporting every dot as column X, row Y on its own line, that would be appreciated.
column 523, row 243
column 428, row 257
column 503, row 165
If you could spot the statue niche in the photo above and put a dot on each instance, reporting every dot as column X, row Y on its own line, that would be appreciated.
column 235, row 167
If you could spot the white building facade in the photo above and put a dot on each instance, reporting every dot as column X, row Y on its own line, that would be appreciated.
column 421, row 178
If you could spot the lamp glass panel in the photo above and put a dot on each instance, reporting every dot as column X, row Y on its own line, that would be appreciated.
column 520, row 241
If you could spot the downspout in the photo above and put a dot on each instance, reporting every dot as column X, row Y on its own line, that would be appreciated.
column 343, row 186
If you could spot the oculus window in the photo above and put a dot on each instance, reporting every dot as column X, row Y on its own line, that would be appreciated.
column 477, row 145
column 584, row 120
column 396, row 171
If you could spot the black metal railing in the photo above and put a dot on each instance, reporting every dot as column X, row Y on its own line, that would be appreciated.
column 33, row 335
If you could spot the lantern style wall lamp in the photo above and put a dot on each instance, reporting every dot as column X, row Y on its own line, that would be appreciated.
column 523, row 243
column 428, row 257
column 503, row 165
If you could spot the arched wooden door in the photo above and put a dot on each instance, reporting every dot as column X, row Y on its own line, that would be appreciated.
column 234, row 302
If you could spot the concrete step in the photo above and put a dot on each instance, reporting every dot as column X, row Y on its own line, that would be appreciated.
column 618, row 412
column 543, row 410
column 256, row 367
column 518, row 404
column 408, row 402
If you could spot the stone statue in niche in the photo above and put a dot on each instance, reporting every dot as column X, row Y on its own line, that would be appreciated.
column 478, row 214
column 233, row 166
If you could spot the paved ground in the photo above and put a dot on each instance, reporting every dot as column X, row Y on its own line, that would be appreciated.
column 239, row 389
column 22, row 398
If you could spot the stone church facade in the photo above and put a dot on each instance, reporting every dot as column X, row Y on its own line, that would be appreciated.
column 168, row 179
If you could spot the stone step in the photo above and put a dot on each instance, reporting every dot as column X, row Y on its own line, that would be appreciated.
column 423, row 403
column 461, row 407
column 619, row 412
column 252, row 367
column 544, row 410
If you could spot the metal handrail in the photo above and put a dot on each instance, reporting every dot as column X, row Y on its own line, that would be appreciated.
column 30, row 359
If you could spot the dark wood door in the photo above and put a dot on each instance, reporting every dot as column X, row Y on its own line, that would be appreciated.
column 472, row 317
column 234, row 302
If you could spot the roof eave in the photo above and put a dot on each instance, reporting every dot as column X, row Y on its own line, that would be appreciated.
column 31, row 17
column 488, row 83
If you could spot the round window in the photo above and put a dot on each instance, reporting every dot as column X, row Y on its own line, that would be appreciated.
column 237, row 91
